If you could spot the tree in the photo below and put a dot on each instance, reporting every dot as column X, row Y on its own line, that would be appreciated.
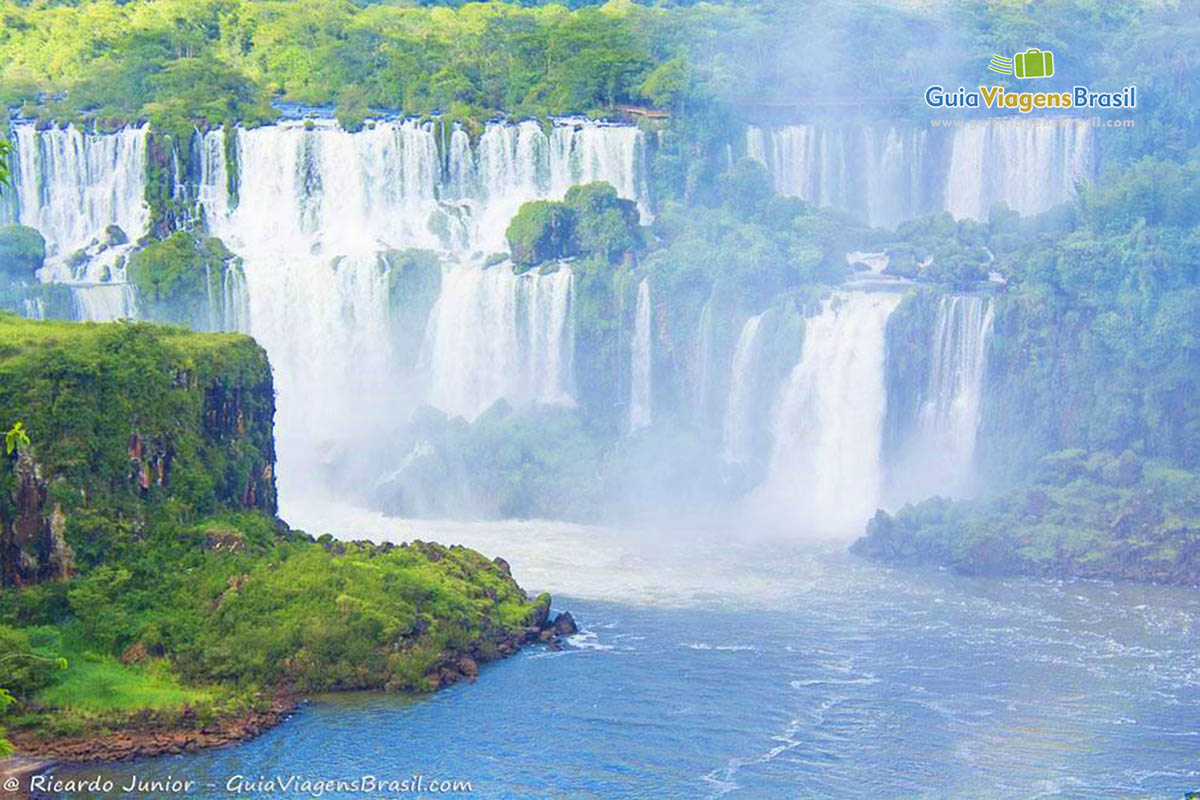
column 6, row 747
column 16, row 438
column 5, row 151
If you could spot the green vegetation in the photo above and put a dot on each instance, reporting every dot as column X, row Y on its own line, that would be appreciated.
column 15, row 438
column 138, row 545
column 98, row 684
column 205, row 618
column 176, row 62
column 590, row 221
column 541, row 231
column 181, row 279
column 1082, row 514
column 22, row 252
column 1096, row 335
column 528, row 463
column 1095, row 341
column 131, row 417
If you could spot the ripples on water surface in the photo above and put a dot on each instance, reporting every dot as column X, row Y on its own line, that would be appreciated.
column 708, row 669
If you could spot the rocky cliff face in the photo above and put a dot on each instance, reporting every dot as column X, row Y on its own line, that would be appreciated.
column 124, row 421
column 32, row 542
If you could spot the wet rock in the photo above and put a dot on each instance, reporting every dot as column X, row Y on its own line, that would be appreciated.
column 564, row 625
column 541, row 611
column 113, row 235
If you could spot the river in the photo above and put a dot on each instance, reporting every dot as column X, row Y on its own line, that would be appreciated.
column 718, row 665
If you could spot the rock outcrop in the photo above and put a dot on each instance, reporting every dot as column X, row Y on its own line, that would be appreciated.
column 121, row 418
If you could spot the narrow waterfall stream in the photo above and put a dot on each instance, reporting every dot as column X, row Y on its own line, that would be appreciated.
column 735, row 432
column 641, row 363
column 949, row 417
column 934, row 453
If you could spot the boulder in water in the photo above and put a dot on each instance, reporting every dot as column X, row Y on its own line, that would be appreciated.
column 564, row 624
column 114, row 235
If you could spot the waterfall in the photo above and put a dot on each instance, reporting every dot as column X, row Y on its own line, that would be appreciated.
column 318, row 207
column 702, row 369
column 1029, row 168
column 641, row 363
column 104, row 302
column 939, row 457
column 825, row 471
column 235, row 303
column 888, row 175
column 74, row 187
column 736, row 439
column 493, row 335
column 213, row 192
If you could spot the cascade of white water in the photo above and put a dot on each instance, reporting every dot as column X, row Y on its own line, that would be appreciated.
column 736, row 441
column 73, row 187
column 942, row 452
column 896, row 183
column 235, row 303
column 702, row 370
column 493, row 334
column 641, row 364
column 825, row 466
column 1030, row 169
column 104, row 302
column 890, row 175
column 317, row 210
column 325, row 191
column 517, row 163
column 317, row 205
column 213, row 191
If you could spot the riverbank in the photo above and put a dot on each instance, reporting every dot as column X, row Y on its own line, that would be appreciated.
column 148, row 735
column 1082, row 515
column 145, row 734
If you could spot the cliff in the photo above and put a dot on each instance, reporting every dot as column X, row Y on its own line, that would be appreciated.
column 152, row 602
column 123, row 420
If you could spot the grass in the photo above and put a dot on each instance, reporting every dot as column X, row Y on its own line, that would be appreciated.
column 103, row 684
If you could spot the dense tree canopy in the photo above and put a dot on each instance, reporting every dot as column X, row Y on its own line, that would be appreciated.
column 162, row 59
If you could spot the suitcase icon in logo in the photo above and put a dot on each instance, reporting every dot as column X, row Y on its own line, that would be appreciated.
column 1034, row 63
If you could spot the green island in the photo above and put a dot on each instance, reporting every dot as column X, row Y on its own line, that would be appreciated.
column 152, row 602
